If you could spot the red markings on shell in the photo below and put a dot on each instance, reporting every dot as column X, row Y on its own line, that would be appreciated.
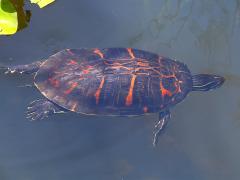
column 130, row 52
column 129, row 98
column 143, row 64
column 87, row 70
column 72, row 62
column 178, row 88
column 97, row 94
column 72, row 87
column 98, row 52
column 164, row 91
column 70, row 52
column 54, row 82
column 145, row 109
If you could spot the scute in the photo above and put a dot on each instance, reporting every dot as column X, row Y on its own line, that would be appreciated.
column 113, row 81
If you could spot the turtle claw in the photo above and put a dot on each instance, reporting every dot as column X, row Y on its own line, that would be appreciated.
column 10, row 71
column 33, row 103
column 164, row 117
column 41, row 109
column 14, row 69
column 35, row 116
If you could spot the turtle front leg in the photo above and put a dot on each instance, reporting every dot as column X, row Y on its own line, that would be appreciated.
column 42, row 108
column 24, row 69
column 164, row 117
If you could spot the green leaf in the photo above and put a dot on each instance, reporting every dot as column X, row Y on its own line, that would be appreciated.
column 13, row 17
column 8, row 18
column 42, row 3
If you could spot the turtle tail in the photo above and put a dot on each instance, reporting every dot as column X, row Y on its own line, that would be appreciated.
column 206, row 82
column 3, row 66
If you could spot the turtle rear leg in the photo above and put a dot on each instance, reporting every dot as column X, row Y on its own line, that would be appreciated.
column 164, row 117
column 42, row 108
column 24, row 69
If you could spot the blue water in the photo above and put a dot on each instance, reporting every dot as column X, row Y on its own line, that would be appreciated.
column 202, row 139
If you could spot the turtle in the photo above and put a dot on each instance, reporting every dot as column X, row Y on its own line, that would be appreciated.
column 112, row 82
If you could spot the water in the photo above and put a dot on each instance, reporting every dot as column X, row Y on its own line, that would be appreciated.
column 202, row 140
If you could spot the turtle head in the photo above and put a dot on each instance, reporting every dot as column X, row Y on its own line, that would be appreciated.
column 206, row 82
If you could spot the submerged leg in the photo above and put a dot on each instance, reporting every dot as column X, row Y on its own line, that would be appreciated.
column 164, row 117
column 24, row 69
column 42, row 108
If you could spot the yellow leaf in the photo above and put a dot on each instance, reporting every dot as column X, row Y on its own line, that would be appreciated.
column 42, row 3
column 8, row 18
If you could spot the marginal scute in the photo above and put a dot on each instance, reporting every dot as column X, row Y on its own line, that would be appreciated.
column 145, row 109
column 130, row 52
column 74, row 106
column 98, row 52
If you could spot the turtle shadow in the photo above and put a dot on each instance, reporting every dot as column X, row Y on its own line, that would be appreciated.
column 85, row 136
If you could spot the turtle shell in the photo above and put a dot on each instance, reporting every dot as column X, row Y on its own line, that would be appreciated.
column 113, row 81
